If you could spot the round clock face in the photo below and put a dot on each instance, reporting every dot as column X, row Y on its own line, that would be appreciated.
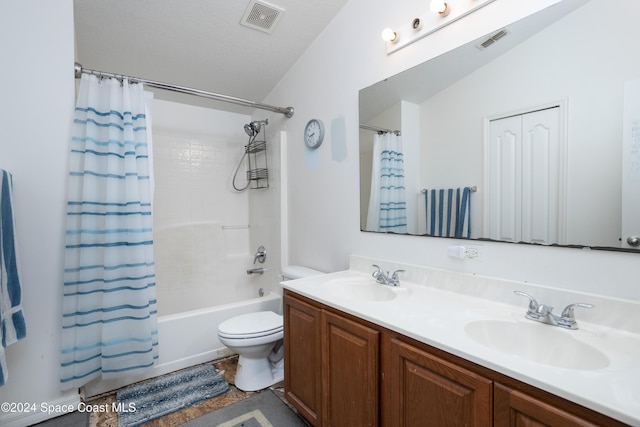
column 314, row 133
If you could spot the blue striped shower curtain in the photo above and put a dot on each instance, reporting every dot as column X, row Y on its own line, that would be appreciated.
column 387, row 201
column 109, row 324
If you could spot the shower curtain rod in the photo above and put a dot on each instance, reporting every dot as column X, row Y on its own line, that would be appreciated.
column 287, row 111
column 377, row 129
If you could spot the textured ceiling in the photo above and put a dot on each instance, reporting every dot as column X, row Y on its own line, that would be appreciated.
column 197, row 43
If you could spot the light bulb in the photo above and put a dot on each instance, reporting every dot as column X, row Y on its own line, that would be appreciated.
column 440, row 7
column 389, row 35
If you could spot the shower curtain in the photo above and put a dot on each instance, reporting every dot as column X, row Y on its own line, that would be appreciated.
column 387, row 201
column 109, row 323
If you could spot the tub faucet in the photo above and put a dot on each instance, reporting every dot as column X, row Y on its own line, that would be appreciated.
column 544, row 313
column 382, row 277
column 259, row 270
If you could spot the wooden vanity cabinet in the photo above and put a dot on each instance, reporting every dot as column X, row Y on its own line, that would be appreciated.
column 514, row 408
column 331, row 366
column 350, row 372
column 302, row 358
column 344, row 371
column 423, row 389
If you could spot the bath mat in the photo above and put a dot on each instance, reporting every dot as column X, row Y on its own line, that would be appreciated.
column 154, row 398
column 263, row 409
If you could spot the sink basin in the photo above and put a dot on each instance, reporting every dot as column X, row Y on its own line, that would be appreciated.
column 360, row 289
column 544, row 344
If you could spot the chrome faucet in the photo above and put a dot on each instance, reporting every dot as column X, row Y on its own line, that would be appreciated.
column 384, row 278
column 261, row 255
column 544, row 313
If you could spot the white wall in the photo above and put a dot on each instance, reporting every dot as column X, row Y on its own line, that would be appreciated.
column 36, row 112
column 323, row 206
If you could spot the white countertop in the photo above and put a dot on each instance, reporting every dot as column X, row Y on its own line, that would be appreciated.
column 426, row 309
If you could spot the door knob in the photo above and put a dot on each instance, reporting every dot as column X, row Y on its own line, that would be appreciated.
column 633, row 241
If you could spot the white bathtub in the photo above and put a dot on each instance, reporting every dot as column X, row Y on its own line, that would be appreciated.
column 190, row 338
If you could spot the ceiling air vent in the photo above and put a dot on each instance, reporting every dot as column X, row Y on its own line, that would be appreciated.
column 261, row 16
column 491, row 40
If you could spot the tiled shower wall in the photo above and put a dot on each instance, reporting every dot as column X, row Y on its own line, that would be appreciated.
column 201, row 224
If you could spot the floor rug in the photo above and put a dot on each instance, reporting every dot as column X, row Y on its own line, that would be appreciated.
column 263, row 409
column 159, row 396
column 72, row 419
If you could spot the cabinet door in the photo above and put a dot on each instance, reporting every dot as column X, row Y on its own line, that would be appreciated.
column 516, row 409
column 302, row 360
column 425, row 390
column 350, row 362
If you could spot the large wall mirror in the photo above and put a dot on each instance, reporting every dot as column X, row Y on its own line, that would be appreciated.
column 535, row 128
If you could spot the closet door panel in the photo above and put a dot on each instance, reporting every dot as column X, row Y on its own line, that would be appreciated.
column 503, row 168
column 540, row 176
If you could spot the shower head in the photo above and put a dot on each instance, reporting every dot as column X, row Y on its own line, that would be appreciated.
column 253, row 128
column 257, row 125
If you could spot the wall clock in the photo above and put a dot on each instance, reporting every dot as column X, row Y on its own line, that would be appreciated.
column 314, row 133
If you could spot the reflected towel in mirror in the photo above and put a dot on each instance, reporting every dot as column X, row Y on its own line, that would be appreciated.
column 448, row 212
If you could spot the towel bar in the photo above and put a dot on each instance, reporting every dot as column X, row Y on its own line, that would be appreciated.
column 472, row 189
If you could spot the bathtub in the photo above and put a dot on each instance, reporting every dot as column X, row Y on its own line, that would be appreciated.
column 190, row 338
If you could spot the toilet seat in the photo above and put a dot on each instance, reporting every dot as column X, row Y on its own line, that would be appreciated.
column 251, row 325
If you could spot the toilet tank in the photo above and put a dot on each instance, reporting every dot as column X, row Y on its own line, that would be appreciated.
column 292, row 272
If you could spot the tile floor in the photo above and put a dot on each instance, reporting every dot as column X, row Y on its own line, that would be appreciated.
column 228, row 365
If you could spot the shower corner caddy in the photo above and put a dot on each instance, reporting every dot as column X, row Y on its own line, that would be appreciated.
column 258, row 173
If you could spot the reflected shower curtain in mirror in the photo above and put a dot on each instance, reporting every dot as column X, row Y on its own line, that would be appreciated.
column 109, row 324
column 387, row 202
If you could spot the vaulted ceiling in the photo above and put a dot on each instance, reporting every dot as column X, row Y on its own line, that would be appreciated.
column 199, row 43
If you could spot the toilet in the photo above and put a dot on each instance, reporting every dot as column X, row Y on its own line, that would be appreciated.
column 257, row 339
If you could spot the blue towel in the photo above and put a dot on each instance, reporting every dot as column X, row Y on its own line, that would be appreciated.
column 448, row 214
column 12, row 324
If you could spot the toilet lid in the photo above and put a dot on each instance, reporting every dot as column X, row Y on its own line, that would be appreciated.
column 252, row 324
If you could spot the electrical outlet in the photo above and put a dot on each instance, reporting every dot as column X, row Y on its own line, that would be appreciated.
column 472, row 252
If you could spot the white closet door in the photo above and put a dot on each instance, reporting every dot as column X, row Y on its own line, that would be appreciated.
column 504, row 180
column 540, row 176
column 523, row 177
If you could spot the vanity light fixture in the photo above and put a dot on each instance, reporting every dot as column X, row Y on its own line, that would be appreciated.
column 389, row 35
column 417, row 24
column 427, row 24
column 440, row 7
